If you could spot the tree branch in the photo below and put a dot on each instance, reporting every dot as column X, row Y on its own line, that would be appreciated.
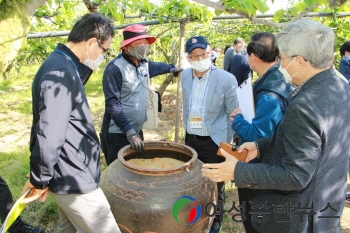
column 220, row 6
column 305, row 12
column 159, row 48
column 161, row 33
column 34, row 5
column 215, row 5
column 279, row 25
column 91, row 6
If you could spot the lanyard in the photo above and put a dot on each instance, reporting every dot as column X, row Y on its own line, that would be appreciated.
column 70, row 59
column 204, row 93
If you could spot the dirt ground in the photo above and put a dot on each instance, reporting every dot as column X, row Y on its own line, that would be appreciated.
column 164, row 131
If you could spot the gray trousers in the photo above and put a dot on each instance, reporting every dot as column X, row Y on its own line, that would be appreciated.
column 85, row 213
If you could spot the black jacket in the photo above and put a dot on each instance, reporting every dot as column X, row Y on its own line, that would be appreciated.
column 240, row 68
column 65, row 151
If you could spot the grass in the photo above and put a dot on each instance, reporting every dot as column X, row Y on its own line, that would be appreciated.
column 15, row 113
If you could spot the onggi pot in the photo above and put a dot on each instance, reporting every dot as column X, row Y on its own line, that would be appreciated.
column 159, row 200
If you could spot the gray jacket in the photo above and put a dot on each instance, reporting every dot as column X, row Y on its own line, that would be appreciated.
column 301, row 182
column 133, row 94
column 221, row 100
column 227, row 58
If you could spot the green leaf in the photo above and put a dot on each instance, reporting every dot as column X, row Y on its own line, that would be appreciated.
column 66, row 6
column 260, row 5
column 230, row 4
column 217, row 12
column 309, row 3
column 249, row 8
column 38, row 19
column 121, row 18
column 278, row 15
column 294, row 11
column 103, row 9
column 161, row 19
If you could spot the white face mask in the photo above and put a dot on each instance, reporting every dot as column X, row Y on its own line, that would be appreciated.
column 202, row 65
column 285, row 73
column 96, row 63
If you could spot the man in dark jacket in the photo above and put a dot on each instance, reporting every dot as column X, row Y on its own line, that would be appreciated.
column 240, row 67
column 125, row 86
column 271, row 98
column 64, row 146
column 301, row 183
column 237, row 48
column 344, row 64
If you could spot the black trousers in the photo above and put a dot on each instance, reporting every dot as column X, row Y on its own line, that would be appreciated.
column 207, row 153
column 6, row 203
column 111, row 143
column 247, row 195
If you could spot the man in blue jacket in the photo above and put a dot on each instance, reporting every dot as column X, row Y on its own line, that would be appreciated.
column 64, row 146
column 125, row 86
column 271, row 98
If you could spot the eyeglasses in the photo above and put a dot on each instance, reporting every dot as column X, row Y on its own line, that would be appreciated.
column 196, row 57
column 279, row 58
column 105, row 51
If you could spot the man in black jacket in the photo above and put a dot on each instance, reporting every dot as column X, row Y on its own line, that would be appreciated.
column 240, row 67
column 64, row 146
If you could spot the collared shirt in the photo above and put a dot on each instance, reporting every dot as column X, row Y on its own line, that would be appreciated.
column 295, row 92
column 197, row 103
column 297, row 89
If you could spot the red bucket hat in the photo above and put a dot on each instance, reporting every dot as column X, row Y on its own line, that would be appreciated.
column 136, row 32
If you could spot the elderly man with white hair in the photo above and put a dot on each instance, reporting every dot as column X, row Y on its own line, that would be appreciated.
column 301, row 183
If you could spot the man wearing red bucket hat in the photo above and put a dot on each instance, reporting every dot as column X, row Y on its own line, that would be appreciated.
column 125, row 81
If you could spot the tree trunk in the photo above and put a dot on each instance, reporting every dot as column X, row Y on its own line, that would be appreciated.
column 14, row 26
column 169, row 78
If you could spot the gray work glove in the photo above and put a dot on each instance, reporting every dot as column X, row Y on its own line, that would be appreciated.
column 176, row 71
column 135, row 140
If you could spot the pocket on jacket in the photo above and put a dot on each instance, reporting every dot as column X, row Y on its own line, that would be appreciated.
column 217, row 104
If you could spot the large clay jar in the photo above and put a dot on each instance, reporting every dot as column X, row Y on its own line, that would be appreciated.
column 159, row 200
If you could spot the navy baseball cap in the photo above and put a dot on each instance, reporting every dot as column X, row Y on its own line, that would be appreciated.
column 196, row 42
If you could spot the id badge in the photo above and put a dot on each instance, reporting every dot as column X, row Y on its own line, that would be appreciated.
column 196, row 122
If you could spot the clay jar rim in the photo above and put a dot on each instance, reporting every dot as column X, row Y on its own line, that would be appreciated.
column 177, row 147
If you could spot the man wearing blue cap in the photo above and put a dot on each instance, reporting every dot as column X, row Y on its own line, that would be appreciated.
column 209, row 96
